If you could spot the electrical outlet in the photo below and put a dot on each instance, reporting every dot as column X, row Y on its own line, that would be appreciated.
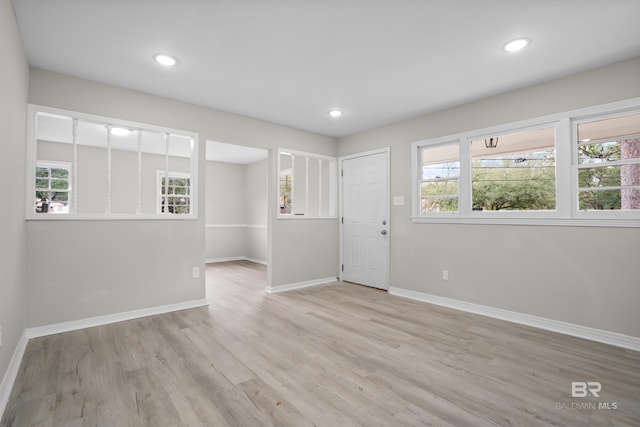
column 445, row 274
column 195, row 272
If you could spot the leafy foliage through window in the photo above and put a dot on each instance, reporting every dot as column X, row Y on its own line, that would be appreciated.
column 609, row 164
column 519, row 173
column 577, row 168
column 175, row 193
column 53, row 184
column 515, row 172
column 285, row 192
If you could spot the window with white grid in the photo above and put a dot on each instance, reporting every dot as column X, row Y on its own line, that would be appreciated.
column 174, row 193
column 53, row 186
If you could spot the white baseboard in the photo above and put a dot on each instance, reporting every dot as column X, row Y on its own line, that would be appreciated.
column 234, row 258
column 598, row 335
column 299, row 285
column 73, row 325
column 224, row 259
column 12, row 372
column 262, row 226
column 14, row 365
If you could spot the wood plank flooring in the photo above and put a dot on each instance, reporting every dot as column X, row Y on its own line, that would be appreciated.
column 333, row 355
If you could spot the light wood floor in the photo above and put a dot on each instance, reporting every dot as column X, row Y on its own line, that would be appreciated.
column 334, row 355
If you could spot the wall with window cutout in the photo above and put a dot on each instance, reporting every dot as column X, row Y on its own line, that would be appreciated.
column 105, row 267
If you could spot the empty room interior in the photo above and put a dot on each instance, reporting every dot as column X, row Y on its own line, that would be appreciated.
column 337, row 213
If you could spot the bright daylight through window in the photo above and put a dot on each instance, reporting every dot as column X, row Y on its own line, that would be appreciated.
column 440, row 175
column 515, row 171
column 609, row 164
column 53, row 183
column 568, row 169
column 174, row 193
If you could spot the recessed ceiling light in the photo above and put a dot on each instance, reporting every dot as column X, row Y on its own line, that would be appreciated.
column 516, row 45
column 166, row 60
column 120, row 131
column 335, row 113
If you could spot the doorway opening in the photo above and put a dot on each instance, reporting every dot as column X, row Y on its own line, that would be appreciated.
column 236, row 225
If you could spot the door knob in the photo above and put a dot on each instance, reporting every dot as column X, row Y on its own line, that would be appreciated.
column 383, row 232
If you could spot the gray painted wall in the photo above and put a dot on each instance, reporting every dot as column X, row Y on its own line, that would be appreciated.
column 110, row 267
column 14, row 79
column 255, row 201
column 236, row 195
column 224, row 206
column 583, row 275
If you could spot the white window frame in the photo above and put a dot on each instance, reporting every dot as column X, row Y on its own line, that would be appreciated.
column 282, row 173
column 507, row 129
column 333, row 185
column 594, row 214
column 51, row 164
column 566, row 212
column 417, row 164
column 30, row 214
column 172, row 174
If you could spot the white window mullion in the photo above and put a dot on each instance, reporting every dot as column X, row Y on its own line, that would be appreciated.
column 139, row 198
column 608, row 164
column 108, row 201
column 333, row 187
column 193, row 178
column 293, row 174
column 319, row 187
column 166, row 174
column 416, row 167
column 73, row 202
column 306, row 185
column 464, row 180
column 609, row 188
column 565, row 196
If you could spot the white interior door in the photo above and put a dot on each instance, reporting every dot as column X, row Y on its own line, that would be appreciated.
column 365, row 219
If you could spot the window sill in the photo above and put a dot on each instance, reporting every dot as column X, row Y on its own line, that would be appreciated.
column 563, row 222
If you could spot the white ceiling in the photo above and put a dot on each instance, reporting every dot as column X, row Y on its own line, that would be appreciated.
column 230, row 153
column 291, row 61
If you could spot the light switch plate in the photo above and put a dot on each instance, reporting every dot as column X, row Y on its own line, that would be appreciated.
column 398, row 200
